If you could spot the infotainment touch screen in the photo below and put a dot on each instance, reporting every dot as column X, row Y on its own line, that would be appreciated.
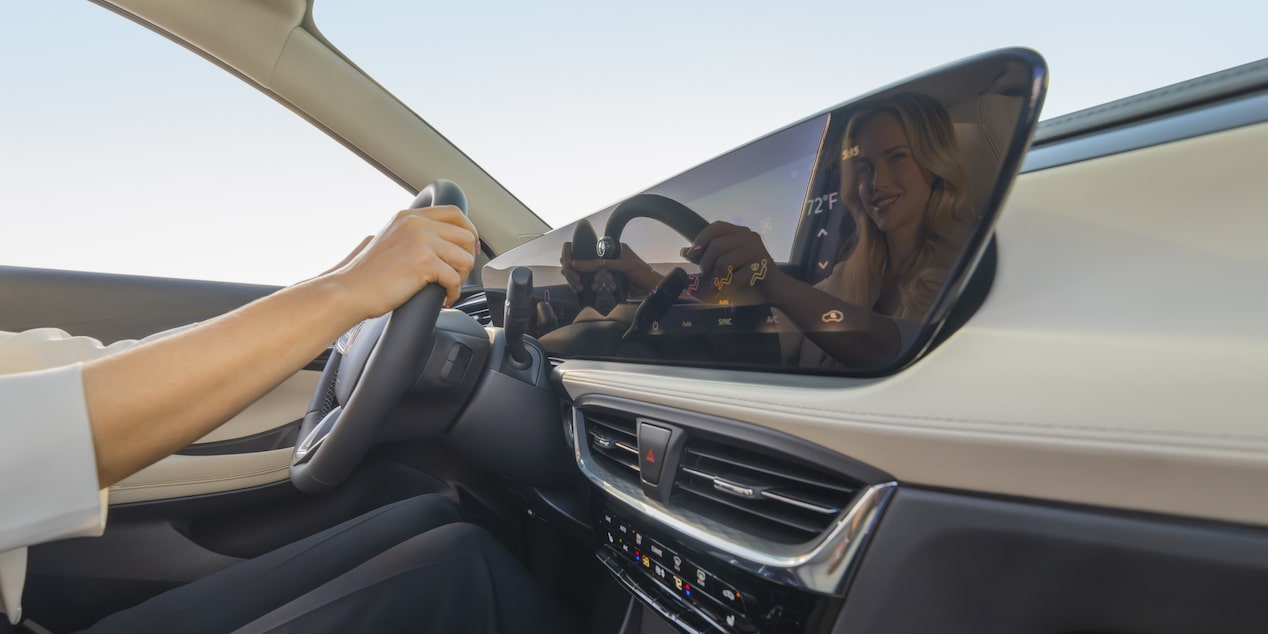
column 831, row 246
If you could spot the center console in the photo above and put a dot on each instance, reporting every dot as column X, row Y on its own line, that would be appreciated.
column 693, row 590
column 718, row 525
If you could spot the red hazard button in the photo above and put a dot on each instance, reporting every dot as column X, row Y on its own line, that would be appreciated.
column 652, row 443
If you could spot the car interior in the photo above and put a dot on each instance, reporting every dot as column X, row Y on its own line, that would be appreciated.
column 1059, row 444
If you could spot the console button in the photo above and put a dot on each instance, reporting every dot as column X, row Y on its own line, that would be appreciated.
column 725, row 593
column 737, row 623
column 675, row 563
column 652, row 443
column 659, row 553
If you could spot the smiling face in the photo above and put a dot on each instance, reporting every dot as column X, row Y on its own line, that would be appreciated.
column 893, row 188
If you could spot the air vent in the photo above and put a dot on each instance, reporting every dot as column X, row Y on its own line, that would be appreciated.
column 614, row 439
column 476, row 305
column 780, row 499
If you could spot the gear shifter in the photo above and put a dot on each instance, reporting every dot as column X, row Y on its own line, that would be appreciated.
column 519, row 312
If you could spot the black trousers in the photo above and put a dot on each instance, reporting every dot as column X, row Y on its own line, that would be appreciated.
column 406, row 567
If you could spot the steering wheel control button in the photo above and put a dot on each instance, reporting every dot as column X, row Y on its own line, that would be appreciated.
column 652, row 443
column 456, row 363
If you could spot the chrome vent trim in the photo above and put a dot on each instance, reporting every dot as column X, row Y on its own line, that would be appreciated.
column 615, row 438
column 771, row 496
column 477, row 306
column 824, row 565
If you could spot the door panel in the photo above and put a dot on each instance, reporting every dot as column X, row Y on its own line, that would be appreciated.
column 113, row 308
column 180, row 476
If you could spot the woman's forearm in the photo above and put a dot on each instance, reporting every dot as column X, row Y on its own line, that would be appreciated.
column 159, row 397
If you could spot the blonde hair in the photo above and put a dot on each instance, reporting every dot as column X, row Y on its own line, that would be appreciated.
column 947, row 215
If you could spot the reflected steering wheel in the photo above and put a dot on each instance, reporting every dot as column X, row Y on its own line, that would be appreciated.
column 371, row 368
column 672, row 213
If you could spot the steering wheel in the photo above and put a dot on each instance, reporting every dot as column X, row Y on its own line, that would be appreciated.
column 672, row 213
column 370, row 370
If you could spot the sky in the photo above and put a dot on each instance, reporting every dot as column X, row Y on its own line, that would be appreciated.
column 121, row 152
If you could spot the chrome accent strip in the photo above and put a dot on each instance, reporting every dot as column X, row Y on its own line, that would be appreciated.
column 826, row 510
column 824, row 565
column 346, row 339
column 316, row 437
column 747, row 493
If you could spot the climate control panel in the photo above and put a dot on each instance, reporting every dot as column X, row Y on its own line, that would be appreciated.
column 695, row 591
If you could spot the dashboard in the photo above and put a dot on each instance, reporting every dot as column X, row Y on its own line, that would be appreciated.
column 1041, row 469
column 754, row 261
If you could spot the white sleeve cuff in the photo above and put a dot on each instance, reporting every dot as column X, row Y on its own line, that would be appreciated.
column 48, row 467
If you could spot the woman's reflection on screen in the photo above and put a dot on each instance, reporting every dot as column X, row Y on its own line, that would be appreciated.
column 906, row 186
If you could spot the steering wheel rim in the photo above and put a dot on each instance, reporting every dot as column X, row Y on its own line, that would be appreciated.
column 372, row 367
column 668, row 211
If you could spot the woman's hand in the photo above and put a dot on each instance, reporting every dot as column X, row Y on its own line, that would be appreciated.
column 732, row 254
column 418, row 247
column 639, row 275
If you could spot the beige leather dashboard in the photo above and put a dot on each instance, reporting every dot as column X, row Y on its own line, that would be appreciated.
column 1119, row 360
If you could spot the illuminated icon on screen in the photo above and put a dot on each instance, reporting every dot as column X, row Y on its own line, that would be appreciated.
column 611, row 540
column 700, row 575
column 824, row 265
column 833, row 316
column 772, row 319
column 725, row 321
column 822, row 233
column 686, row 324
column 656, row 550
column 719, row 282
column 638, row 539
column 850, row 152
column 729, row 594
column 655, row 326
column 677, row 562
column 759, row 272
column 678, row 582
column 660, row 572
column 730, row 620
column 695, row 283
column 647, row 561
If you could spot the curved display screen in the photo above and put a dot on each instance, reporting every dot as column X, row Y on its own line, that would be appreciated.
column 829, row 246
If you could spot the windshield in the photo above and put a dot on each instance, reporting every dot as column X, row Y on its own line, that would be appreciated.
column 575, row 106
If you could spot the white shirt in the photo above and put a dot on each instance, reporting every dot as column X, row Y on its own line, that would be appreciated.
column 48, row 468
